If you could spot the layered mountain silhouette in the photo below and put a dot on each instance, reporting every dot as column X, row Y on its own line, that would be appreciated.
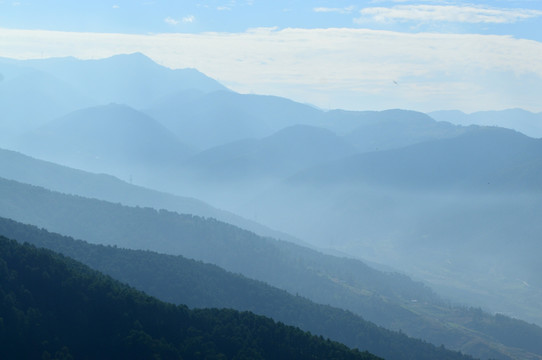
column 113, row 139
column 223, row 116
column 390, row 129
column 527, row 122
column 445, row 197
column 444, row 210
column 271, row 158
column 482, row 159
column 132, row 79
column 34, row 92
column 28, row 170
column 389, row 299
column 178, row 280
column 32, row 98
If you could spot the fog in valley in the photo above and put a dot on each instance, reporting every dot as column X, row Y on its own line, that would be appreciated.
column 393, row 215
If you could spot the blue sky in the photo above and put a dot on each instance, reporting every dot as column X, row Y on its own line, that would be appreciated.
column 421, row 55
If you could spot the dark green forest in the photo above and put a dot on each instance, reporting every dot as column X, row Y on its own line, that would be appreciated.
column 54, row 307
column 179, row 280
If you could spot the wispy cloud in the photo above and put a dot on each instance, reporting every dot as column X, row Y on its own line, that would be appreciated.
column 189, row 19
column 171, row 21
column 447, row 13
column 344, row 10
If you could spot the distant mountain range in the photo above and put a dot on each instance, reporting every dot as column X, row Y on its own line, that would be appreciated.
column 221, row 117
column 34, row 92
column 521, row 120
column 114, row 139
column 443, row 210
column 132, row 79
column 483, row 159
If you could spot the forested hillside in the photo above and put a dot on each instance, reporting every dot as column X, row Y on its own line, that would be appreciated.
column 54, row 307
column 178, row 280
column 387, row 299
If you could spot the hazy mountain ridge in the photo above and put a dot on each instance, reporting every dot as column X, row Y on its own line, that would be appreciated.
column 470, row 161
column 31, row 99
column 113, row 139
column 234, row 172
column 34, row 92
column 24, row 169
column 132, row 79
column 453, row 205
column 322, row 278
column 527, row 122
column 223, row 116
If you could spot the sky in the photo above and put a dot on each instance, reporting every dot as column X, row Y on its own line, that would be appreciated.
column 356, row 55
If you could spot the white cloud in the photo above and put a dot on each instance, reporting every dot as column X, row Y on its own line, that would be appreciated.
column 189, row 19
column 116, row 7
column 347, row 68
column 344, row 10
column 448, row 13
column 171, row 21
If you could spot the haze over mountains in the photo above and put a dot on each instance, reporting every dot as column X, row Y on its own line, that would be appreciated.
column 521, row 120
column 452, row 204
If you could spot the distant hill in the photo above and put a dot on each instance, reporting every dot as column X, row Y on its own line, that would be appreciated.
column 223, row 116
column 31, row 98
column 391, row 129
column 521, row 120
column 54, row 307
column 391, row 300
column 461, row 213
column 169, row 277
column 482, row 159
column 114, row 139
column 34, row 92
column 25, row 169
column 283, row 153
column 245, row 167
column 131, row 79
